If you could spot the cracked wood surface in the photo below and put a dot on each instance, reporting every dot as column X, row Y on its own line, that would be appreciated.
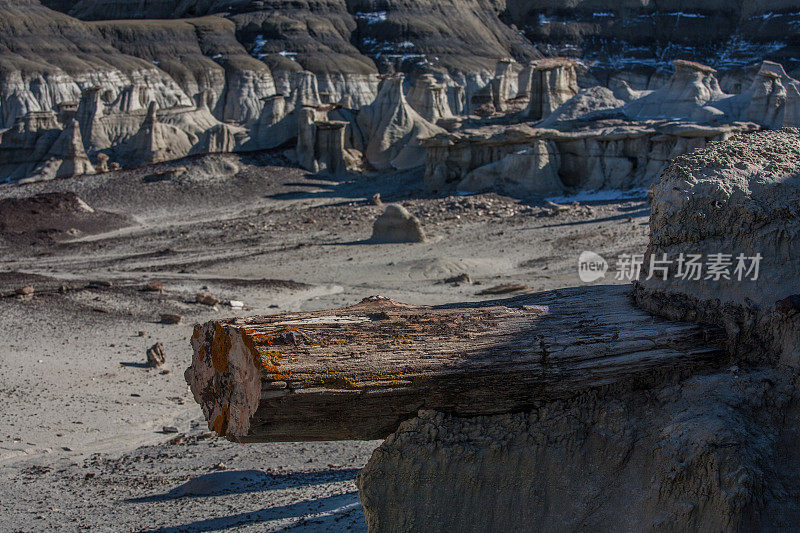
column 358, row 372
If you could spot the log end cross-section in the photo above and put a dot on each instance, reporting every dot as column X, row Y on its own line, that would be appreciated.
column 358, row 372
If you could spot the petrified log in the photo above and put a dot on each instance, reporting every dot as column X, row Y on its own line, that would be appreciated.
column 357, row 372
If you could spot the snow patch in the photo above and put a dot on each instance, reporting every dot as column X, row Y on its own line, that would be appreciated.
column 600, row 196
column 371, row 17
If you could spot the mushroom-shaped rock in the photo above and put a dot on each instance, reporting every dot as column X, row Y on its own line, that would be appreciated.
column 691, row 93
column 429, row 99
column 396, row 225
column 553, row 82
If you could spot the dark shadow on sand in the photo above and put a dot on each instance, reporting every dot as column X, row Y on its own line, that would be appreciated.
column 246, row 481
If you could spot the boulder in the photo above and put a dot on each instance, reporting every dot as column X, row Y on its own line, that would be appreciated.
column 397, row 225
column 740, row 198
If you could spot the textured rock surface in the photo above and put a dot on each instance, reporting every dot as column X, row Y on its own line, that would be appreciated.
column 530, row 171
column 690, row 93
column 392, row 129
column 396, row 224
column 709, row 452
column 737, row 197
column 713, row 451
column 604, row 154
column 552, row 83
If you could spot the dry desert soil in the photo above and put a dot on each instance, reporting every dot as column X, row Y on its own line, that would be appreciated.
column 94, row 439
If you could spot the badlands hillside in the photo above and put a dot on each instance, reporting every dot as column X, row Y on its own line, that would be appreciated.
column 89, row 86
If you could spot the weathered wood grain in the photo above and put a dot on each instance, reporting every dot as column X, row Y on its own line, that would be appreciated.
column 357, row 372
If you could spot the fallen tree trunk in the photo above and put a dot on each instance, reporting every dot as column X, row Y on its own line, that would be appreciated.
column 357, row 372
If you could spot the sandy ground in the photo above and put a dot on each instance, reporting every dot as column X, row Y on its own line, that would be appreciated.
column 82, row 440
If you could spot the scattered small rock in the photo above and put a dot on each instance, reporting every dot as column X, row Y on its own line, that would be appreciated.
column 27, row 290
column 458, row 280
column 177, row 440
column 505, row 288
column 376, row 199
column 206, row 299
column 156, row 355
column 236, row 304
column 89, row 475
column 169, row 429
column 170, row 318
column 220, row 466
column 142, row 333
column 554, row 208
column 155, row 286
column 101, row 310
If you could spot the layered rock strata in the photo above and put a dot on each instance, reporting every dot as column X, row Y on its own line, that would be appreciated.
column 611, row 154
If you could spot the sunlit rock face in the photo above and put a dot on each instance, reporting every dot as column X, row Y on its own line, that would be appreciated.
column 738, row 198
column 225, row 75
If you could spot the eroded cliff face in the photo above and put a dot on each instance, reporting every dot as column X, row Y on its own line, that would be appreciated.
column 228, row 75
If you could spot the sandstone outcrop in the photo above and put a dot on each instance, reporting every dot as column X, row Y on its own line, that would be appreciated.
column 589, row 104
column 609, row 154
column 690, row 94
column 531, row 171
column 552, row 83
column 429, row 99
column 503, row 86
column 392, row 129
column 66, row 157
column 321, row 146
column 155, row 141
column 739, row 198
column 397, row 225
column 704, row 453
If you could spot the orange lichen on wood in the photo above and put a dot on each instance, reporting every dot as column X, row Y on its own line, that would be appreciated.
column 220, row 423
column 220, row 348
